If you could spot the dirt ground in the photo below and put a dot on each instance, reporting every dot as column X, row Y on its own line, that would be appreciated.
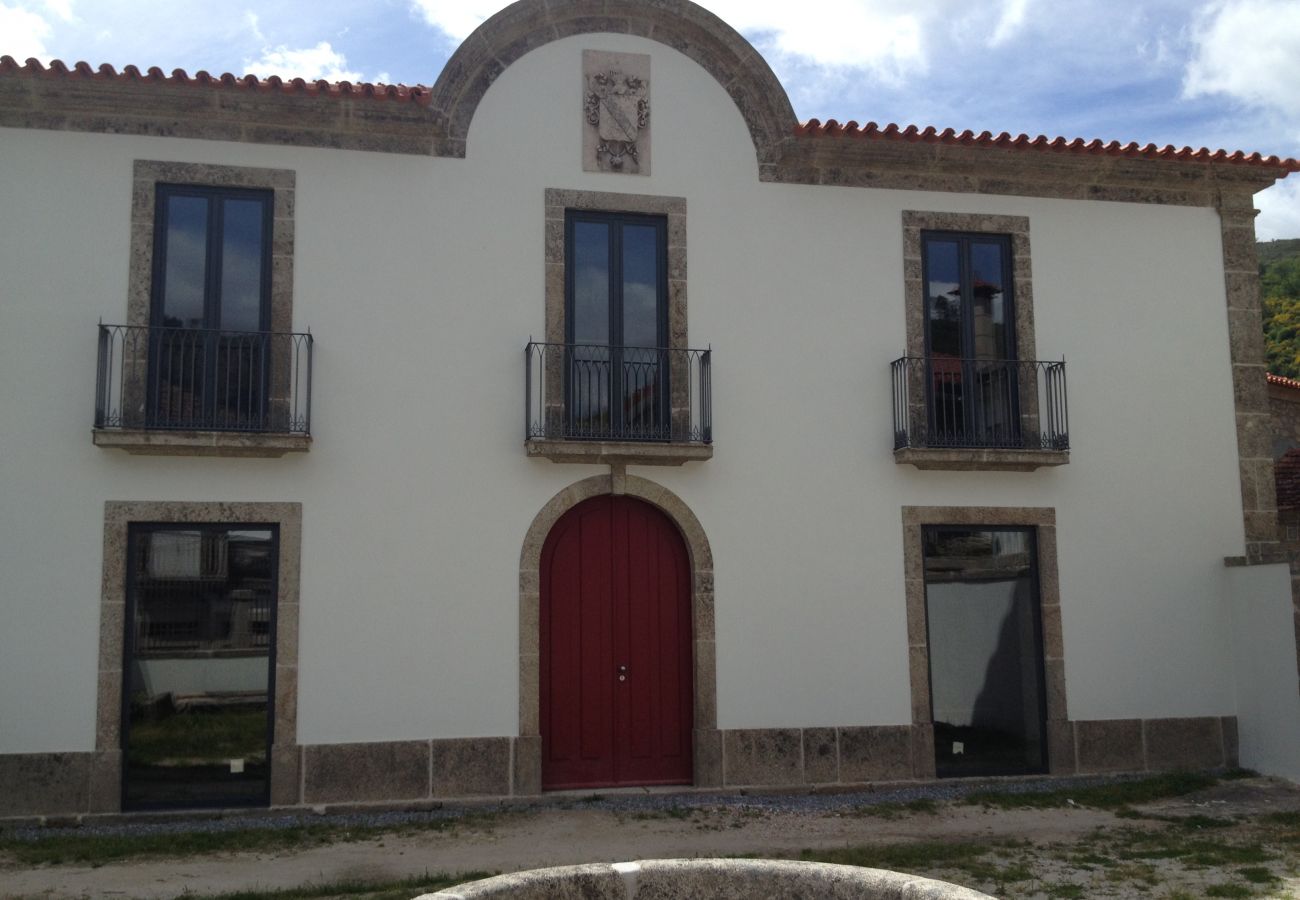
column 1176, row 848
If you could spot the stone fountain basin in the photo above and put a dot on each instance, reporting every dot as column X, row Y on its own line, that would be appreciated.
column 707, row 879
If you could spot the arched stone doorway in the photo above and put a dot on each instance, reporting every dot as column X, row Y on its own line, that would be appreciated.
column 706, row 741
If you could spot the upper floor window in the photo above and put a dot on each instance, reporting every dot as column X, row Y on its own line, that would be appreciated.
column 212, row 258
column 209, row 350
column 615, row 381
column 207, row 355
column 617, row 322
column 970, row 340
column 969, row 393
column 969, row 304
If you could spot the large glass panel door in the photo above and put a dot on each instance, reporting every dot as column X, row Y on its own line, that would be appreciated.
column 617, row 324
column 199, row 665
column 972, row 379
column 986, row 652
column 211, row 308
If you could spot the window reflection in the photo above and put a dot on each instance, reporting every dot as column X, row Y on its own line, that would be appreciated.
column 986, row 681
column 617, row 366
column 973, row 383
column 202, row 606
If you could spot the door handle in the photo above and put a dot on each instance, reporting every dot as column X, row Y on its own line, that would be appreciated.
column 622, row 673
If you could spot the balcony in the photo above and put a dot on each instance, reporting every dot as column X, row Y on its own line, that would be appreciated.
column 593, row 403
column 200, row 392
column 980, row 414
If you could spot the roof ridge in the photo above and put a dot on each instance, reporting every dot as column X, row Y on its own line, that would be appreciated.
column 930, row 134
column 57, row 68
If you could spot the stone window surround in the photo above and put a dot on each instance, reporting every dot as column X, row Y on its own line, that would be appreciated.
column 146, row 175
column 1060, row 732
column 707, row 740
column 118, row 515
column 1017, row 228
column 557, row 202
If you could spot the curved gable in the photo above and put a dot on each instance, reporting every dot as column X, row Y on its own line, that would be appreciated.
column 680, row 24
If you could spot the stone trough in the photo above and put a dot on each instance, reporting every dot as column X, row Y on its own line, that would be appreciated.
column 707, row 879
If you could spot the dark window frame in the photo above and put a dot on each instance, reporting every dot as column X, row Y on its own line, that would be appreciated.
column 964, row 240
column 616, row 221
column 1040, row 643
column 134, row 532
column 216, row 195
column 208, row 343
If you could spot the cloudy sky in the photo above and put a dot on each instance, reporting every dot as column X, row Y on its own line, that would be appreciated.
column 1217, row 73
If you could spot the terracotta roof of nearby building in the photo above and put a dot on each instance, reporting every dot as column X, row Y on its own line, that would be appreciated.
column 1286, row 474
column 58, row 69
column 1282, row 380
column 421, row 95
column 931, row 135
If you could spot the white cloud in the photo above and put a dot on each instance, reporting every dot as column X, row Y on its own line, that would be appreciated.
column 62, row 9
column 311, row 63
column 891, row 38
column 1013, row 19
column 254, row 25
column 1250, row 50
column 1279, row 210
column 23, row 33
column 456, row 17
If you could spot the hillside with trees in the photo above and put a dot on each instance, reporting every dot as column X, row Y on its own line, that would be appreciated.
column 1279, row 278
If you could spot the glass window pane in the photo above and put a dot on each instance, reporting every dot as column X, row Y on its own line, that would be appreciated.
column 985, row 651
column 185, row 246
column 640, row 286
column 943, row 301
column 202, row 605
column 988, row 308
column 591, row 283
column 242, row 265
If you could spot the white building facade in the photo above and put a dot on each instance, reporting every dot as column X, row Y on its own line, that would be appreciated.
column 314, row 528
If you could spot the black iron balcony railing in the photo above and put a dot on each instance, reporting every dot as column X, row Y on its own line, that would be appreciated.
column 203, row 380
column 599, row 392
column 943, row 402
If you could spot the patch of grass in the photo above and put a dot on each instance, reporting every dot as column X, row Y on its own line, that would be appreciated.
column 1065, row 891
column 99, row 849
column 903, row 857
column 1257, row 875
column 1228, row 890
column 896, row 810
column 399, row 889
column 1174, row 843
column 1285, row 819
column 929, row 857
column 1103, row 796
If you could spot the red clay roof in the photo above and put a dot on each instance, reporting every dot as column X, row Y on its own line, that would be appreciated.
column 421, row 94
column 931, row 135
column 340, row 89
column 1282, row 380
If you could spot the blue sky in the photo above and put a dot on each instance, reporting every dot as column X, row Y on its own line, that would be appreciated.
column 1217, row 73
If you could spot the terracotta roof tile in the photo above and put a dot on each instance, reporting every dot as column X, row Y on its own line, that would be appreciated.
column 1282, row 380
column 421, row 94
column 931, row 135
column 33, row 68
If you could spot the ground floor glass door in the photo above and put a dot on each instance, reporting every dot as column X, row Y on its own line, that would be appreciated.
column 616, row 687
column 984, row 626
column 199, row 667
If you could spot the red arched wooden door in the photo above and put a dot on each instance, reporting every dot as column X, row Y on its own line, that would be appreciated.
column 616, row 693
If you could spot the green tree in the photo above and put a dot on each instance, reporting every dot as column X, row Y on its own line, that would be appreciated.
column 1279, row 279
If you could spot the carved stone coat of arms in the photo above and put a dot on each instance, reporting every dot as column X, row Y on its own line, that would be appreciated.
column 616, row 112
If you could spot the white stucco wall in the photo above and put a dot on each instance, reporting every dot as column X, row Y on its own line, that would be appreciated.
column 421, row 280
column 1268, row 704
